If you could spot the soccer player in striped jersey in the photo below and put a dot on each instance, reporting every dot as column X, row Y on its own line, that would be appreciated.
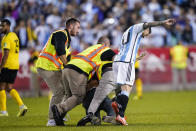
column 124, row 62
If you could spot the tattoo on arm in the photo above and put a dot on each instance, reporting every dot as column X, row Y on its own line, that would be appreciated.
column 153, row 24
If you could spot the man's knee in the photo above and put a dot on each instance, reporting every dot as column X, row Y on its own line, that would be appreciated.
column 126, row 88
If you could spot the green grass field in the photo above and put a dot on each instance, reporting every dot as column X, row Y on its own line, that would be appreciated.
column 157, row 111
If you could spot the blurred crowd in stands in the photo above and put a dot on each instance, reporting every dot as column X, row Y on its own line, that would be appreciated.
column 34, row 20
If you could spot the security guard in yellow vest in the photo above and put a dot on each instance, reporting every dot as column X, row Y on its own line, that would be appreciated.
column 53, row 58
column 107, row 84
column 75, row 76
column 179, row 55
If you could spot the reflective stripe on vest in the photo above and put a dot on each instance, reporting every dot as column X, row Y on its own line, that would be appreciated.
column 90, row 56
column 51, row 58
column 96, row 51
column 93, row 65
column 49, row 55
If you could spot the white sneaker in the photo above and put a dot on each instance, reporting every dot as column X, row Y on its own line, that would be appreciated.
column 51, row 122
column 3, row 113
column 22, row 111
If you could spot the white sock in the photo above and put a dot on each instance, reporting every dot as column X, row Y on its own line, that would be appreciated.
column 3, row 112
column 21, row 107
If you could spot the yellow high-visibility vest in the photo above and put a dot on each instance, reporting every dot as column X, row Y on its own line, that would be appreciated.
column 179, row 56
column 48, row 58
column 137, row 63
column 98, row 70
column 90, row 58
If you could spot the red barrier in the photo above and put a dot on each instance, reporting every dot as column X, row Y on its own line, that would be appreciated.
column 155, row 68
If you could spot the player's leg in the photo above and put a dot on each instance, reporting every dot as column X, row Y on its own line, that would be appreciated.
column 121, row 103
column 139, row 85
column 3, row 79
column 139, row 88
column 125, row 77
column 15, row 95
column 3, row 99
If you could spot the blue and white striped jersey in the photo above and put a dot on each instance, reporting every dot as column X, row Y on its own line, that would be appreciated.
column 130, row 43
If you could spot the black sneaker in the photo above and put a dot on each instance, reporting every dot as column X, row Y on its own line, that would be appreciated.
column 57, row 116
column 85, row 120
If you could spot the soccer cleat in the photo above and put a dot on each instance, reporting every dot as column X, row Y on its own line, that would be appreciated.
column 22, row 111
column 85, row 120
column 109, row 119
column 57, row 117
column 51, row 122
column 121, row 120
column 115, row 108
column 4, row 114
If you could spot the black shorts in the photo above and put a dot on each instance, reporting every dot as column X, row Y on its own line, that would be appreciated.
column 8, row 75
column 136, row 73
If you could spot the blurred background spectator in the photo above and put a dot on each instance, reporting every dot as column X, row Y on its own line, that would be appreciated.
column 34, row 20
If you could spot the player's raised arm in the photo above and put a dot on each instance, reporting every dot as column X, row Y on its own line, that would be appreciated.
column 159, row 23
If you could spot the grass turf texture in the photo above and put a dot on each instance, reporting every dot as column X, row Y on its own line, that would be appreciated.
column 157, row 111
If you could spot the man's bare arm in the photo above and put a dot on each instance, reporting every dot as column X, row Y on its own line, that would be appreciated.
column 141, row 56
column 159, row 23
column 4, row 58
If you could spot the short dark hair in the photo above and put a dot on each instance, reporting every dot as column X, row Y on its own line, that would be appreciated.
column 102, row 39
column 71, row 21
column 6, row 21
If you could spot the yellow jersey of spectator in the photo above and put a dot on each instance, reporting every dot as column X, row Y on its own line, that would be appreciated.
column 137, row 63
column 138, row 81
column 11, row 42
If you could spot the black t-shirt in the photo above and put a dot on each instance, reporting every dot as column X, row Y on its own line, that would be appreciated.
column 58, row 40
column 108, row 55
